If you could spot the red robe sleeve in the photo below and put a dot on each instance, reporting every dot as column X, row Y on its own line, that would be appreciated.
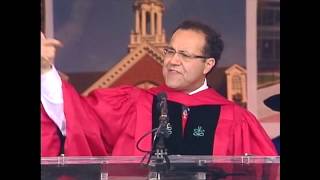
column 50, row 142
column 249, row 136
column 239, row 132
column 96, row 122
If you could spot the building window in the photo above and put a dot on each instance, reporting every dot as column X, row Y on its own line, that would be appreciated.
column 277, row 18
column 156, row 21
column 267, row 18
column 269, row 14
column 148, row 23
column 268, row 36
column 236, row 84
column 277, row 48
column 267, row 49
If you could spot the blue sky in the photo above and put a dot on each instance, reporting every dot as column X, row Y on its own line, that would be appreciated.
column 95, row 33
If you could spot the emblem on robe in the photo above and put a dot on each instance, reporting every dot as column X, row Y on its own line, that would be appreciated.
column 198, row 131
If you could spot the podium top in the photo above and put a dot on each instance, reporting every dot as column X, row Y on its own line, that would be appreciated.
column 173, row 158
column 181, row 167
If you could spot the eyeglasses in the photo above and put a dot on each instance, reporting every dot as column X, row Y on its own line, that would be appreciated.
column 170, row 52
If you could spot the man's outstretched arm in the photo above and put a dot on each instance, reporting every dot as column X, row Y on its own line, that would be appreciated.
column 51, row 90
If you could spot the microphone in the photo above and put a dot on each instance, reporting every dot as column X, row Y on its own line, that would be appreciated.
column 163, row 105
column 163, row 118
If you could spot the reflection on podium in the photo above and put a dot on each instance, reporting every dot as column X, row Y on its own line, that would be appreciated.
column 181, row 167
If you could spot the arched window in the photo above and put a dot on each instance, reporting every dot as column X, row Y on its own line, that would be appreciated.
column 148, row 21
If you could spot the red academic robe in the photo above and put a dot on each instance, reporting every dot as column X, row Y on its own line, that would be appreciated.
column 110, row 122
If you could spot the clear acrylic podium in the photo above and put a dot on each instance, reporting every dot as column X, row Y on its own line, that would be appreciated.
column 181, row 167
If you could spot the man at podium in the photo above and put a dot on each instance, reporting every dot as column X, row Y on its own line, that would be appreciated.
column 111, row 121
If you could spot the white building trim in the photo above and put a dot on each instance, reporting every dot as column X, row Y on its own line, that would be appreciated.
column 49, row 18
column 251, row 54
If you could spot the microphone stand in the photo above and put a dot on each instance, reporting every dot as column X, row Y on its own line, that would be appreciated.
column 161, row 151
column 162, row 162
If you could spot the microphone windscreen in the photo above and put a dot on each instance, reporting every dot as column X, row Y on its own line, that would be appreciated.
column 161, row 95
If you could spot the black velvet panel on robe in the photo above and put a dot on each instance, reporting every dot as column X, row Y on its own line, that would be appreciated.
column 198, row 137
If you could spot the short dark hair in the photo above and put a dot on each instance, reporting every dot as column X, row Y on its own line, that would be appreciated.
column 214, row 44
